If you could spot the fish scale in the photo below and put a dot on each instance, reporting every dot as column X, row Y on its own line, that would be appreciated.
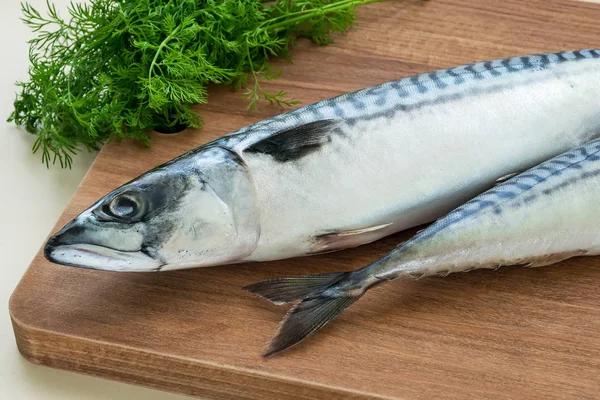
column 342, row 172
column 404, row 88
column 540, row 217
column 573, row 160
column 553, row 205
column 395, row 116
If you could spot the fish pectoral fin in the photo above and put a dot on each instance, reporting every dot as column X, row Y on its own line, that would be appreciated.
column 549, row 259
column 340, row 239
column 294, row 143
column 506, row 177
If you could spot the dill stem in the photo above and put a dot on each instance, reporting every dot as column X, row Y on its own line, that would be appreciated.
column 299, row 16
column 160, row 47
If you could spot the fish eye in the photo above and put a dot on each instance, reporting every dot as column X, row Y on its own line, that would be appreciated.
column 125, row 206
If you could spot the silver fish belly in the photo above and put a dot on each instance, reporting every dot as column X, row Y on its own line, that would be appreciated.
column 344, row 171
column 540, row 217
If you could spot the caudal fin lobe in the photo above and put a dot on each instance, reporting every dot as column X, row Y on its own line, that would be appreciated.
column 323, row 296
column 306, row 318
column 292, row 288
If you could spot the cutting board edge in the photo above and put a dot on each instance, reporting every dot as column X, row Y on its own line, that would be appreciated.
column 26, row 338
column 87, row 356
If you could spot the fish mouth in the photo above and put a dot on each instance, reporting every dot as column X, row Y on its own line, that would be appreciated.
column 99, row 257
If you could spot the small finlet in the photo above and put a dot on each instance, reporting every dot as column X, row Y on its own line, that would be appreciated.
column 549, row 259
column 506, row 177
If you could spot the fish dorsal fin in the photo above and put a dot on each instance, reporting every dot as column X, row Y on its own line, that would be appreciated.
column 506, row 177
column 294, row 143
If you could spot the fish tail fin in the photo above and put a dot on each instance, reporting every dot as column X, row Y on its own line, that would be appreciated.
column 292, row 288
column 323, row 297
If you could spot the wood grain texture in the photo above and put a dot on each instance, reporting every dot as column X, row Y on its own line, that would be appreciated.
column 511, row 333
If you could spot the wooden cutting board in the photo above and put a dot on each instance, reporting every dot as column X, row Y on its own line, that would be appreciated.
column 511, row 333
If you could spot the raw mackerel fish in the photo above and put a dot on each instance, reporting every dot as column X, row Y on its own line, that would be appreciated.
column 344, row 171
column 545, row 215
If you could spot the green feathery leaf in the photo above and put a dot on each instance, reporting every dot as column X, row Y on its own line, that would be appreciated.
column 119, row 68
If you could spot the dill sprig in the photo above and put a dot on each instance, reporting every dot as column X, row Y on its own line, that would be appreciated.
column 120, row 68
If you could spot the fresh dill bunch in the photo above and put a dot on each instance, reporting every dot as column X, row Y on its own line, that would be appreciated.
column 120, row 68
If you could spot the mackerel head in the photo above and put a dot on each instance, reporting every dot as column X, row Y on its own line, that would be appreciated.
column 196, row 210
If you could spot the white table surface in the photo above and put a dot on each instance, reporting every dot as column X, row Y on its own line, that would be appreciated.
column 31, row 200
